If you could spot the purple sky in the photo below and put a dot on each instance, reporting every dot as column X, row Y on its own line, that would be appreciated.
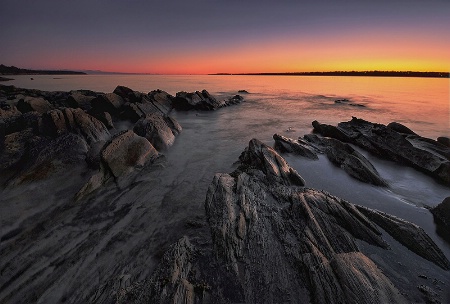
column 138, row 36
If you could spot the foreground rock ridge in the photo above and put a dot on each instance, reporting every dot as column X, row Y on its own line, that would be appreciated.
column 276, row 241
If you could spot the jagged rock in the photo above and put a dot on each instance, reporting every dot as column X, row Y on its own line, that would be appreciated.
column 161, row 100
column 53, row 156
column 128, row 94
column 21, row 122
column 423, row 154
column 76, row 121
column 441, row 214
column 125, row 152
column 29, row 104
column 81, row 99
column 353, row 162
column 444, row 141
column 184, row 101
column 398, row 127
column 159, row 130
column 105, row 118
column 154, row 102
column 14, row 148
column 110, row 102
column 93, row 154
column 270, row 163
column 408, row 234
column 236, row 99
column 298, row 243
column 339, row 153
column 298, row 147
column 186, row 274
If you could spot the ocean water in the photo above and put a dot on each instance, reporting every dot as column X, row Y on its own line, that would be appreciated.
column 127, row 229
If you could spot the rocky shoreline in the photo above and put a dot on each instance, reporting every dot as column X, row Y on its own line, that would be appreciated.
column 265, row 237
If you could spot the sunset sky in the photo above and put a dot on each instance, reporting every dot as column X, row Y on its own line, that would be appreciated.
column 197, row 37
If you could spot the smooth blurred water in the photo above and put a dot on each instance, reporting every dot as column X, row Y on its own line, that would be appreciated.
column 420, row 103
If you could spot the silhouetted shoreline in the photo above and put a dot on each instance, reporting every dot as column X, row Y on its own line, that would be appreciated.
column 352, row 73
column 12, row 70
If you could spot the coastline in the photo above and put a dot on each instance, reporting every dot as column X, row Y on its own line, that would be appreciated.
column 351, row 73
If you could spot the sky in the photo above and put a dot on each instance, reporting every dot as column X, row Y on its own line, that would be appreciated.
column 200, row 36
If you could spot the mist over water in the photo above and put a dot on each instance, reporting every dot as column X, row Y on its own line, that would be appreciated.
column 134, row 225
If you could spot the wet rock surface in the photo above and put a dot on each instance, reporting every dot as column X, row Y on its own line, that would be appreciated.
column 48, row 131
column 202, row 101
column 426, row 155
column 339, row 153
column 275, row 241
column 441, row 214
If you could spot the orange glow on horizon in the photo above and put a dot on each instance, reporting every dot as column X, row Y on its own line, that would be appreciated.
column 363, row 52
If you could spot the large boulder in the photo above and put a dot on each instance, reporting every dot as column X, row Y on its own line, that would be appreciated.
column 126, row 152
column 29, row 104
column 128, row 94
column 424, row 154
column 160, row 130
column 110, row 102
column 81, row 99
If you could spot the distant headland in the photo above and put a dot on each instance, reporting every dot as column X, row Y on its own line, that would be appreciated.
column 353, row 73
column 12, row 70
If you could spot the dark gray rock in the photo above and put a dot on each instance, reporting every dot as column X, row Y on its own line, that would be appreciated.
column 398, row 127
column 59, row 121
column 353, row 162
column 80, row 99
column 29, row 104
column 339, row 153
column 270, row 163
column 203, row 101
column 408, row 234
column 110, row 102
column 298, row 147
column 441, row 214
column 105, row 118
column 444, row 141
column 296, row 242
column 157, row 101
column 423, row 154
column 159, row 130
column 128, row 94
column 126, row 152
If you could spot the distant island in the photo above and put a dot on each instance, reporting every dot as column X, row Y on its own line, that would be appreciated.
column 12, row 70
column 352, row 73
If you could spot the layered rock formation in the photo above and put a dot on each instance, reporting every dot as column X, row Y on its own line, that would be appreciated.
column 339, row 153
column 276, row 241
column 44, row 132
column 394, row 142
column 441, row 214
column 202, row 101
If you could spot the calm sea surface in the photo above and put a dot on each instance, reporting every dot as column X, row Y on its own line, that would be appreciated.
column 420, row 103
